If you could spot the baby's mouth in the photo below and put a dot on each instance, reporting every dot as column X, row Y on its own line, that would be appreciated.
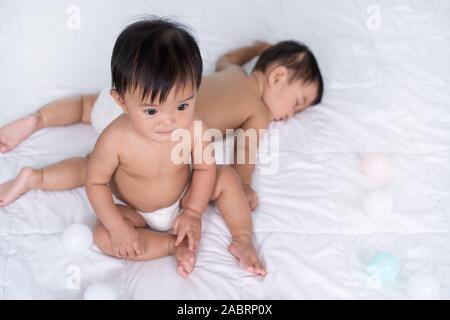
column 165, row 132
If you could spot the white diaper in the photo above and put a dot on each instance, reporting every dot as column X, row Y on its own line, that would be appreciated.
column 104, row 111
column 162, row 219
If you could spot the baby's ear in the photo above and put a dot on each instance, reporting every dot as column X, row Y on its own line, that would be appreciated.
column 277, row 75
column 118, row 99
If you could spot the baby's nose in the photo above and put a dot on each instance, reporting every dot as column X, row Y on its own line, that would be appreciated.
column 168, row 120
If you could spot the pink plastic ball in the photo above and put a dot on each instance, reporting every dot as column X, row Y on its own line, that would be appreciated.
column 376, row 166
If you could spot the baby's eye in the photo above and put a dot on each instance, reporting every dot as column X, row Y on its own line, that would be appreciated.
column 150, row 112
column 182, row 107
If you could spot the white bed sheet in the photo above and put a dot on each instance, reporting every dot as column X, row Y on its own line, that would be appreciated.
column 387, row 90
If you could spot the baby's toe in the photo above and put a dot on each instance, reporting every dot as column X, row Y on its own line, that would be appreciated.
column 186, row 266
column 182, row 271
column 250, row 269
column 261, row 271
column 257, row 267
column 190, row 265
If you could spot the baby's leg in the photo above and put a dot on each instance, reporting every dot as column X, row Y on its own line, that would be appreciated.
column 64, row 175
column 234, row 207
column 58, row 113
column 154, row 244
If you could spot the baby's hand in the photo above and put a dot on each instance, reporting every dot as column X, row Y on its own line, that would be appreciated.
column 252, row 196
column 188, row 224
column 261, row 46
column 125, row 241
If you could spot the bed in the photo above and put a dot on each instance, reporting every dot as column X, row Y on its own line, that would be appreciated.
column 386, row 66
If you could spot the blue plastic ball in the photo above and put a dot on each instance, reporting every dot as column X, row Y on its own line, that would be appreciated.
column 383, row 267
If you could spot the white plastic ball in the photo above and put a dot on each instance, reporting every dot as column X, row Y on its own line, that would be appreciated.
column 376, row 166
column 101, row 291
column 423, row 286
column 378, row 204
column 77, row 238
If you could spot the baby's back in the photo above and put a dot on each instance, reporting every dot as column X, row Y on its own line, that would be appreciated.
column 227, row 99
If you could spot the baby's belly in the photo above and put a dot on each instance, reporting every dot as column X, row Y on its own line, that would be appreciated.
column 148, row 194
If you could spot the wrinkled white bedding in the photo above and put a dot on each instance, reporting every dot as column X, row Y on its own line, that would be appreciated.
column 387, row 89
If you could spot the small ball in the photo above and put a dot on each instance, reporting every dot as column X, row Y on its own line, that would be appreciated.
column 101, row 291
column 384, row 268
column 378, row 204
column 77, row 238
column 376, row 166
column 422, row 286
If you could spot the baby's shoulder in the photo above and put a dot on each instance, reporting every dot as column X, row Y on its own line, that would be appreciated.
column 116, row 130
column 233, row 75
column 243, row 88
column 260, row 116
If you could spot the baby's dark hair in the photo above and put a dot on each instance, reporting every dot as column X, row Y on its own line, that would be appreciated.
column 155, row 55
column 296, row 57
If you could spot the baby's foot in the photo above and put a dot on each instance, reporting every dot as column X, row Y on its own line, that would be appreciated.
column 12, row 189
column 244, row 251
column 184, row 256
column 14, row 133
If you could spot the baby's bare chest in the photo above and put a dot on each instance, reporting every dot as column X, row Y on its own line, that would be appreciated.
column 149, row 166
column 148, row 180
column 149, row 163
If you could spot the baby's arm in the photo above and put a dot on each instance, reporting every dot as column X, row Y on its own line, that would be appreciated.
column 245, row 170
column 200, row 192
column 102, row 164
column 241, row 56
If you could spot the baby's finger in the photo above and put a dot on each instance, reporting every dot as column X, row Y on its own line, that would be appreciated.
column 191, row 240
column 196, row 236
column 180, row 237
column 196, row 242
column 252, row 205
column 255, row 201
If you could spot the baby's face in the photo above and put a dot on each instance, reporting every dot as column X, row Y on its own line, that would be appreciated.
column 285, row 98
column 156, row 120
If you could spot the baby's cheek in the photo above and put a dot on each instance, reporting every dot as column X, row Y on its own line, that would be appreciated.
column 146, row 126
column 282, row 107
column 185, row 119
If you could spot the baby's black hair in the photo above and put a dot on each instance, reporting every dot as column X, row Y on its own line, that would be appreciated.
column 155, row 55
column 296, row 57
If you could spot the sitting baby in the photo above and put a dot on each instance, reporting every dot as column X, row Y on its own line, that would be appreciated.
column 132, row 180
